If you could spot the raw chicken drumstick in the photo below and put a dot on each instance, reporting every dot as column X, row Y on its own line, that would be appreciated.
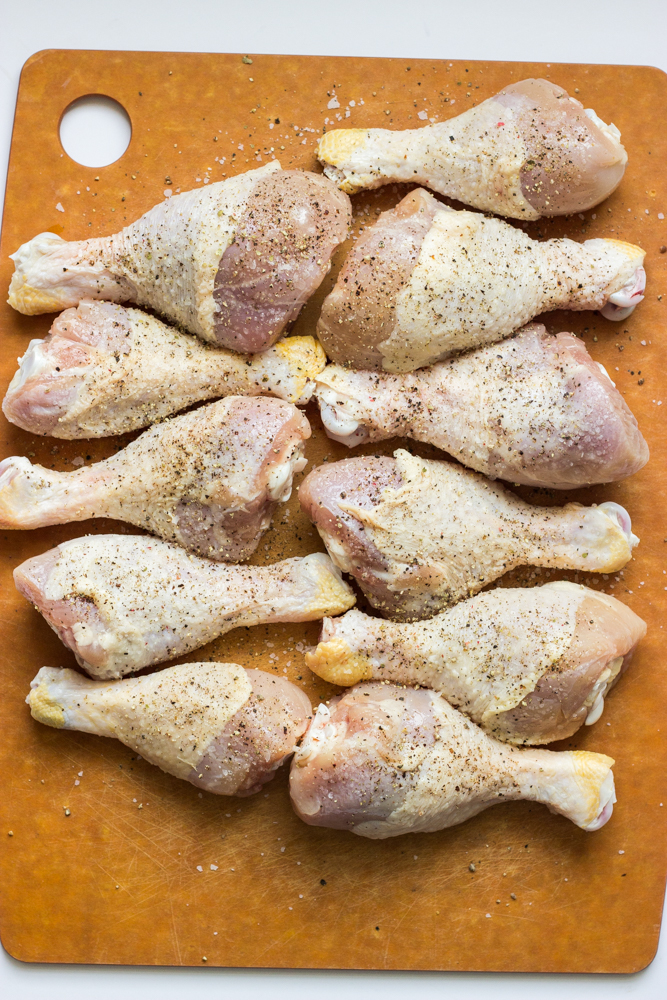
column 225, row 729
column 528, row 665
column 420, row 535
column 425, row 282
column 121, row 603
column 104, row 369
column 385, row 760
column 208, row 480
column 534, row 409
column 527, row 152
column 232, row 262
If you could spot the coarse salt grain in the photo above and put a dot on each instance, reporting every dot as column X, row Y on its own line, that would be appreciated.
column 59, row 208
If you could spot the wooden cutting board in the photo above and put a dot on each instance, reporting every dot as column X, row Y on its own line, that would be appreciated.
column 111, row 861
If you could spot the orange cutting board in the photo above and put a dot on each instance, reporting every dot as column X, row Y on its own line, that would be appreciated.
column 111, row 861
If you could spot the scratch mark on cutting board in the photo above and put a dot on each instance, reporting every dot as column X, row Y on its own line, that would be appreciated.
column 174, row 932
column 280, row 943
column 406, row 912
column 106, row 872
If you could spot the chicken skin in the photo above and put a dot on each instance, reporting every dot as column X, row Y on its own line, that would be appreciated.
column 208, row 480
column 529, row 151
column 232, row 262
column 224, row 729
column 121, row 603
column 534, row 409
column 104, row 369
column 383, row 760
column 425, row 282
column 528, row 665
column 420, row 535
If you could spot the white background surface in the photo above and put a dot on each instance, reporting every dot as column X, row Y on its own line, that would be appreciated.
column 615, row 31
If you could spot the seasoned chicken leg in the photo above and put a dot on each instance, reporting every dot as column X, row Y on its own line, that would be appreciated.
column 232, row 262
column 209, row 480
column 528, row 665
column 385, row 760
column 425, row 282
column 527, row 152
column 535, row 409
column 419, row 535
column 121, row 603
column 104, row 369
column 224, row 729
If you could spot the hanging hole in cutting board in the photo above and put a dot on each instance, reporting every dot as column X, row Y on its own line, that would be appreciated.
column 95, row 130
